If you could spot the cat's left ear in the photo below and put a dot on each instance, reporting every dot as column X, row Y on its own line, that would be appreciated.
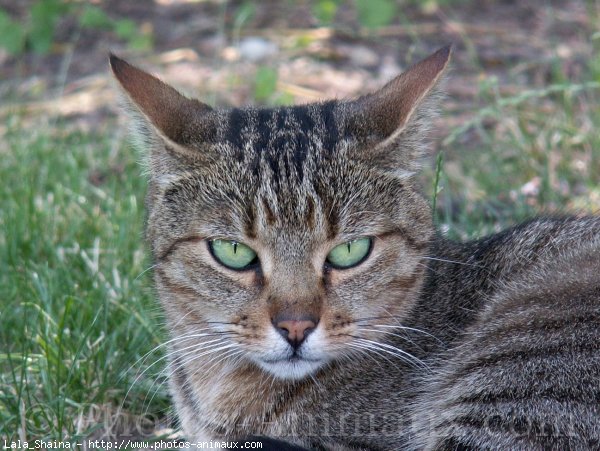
column 394, row 119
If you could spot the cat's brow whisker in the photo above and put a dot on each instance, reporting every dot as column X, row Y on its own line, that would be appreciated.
column 428, row 268
column 444, row 260
column 361, row 212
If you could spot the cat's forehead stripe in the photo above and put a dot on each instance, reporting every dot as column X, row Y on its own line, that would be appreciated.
column 330, row 126
column 264, row 129
column 288, row 131
column 236, row 123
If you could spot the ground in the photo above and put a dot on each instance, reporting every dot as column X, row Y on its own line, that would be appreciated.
column 79, row 327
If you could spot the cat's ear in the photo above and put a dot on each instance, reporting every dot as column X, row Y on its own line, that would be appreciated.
column 395, row 118
column 160, row 111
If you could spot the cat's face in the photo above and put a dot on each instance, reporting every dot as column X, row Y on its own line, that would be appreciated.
column 287, row 237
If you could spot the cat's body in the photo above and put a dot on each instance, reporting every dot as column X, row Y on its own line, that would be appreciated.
column 414, row 342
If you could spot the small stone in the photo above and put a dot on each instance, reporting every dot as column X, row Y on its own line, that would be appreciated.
column 363, row 56
column 255, row 48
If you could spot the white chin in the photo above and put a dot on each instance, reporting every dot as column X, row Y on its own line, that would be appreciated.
column 291, row 369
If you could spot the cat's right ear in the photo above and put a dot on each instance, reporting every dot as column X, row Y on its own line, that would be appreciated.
column 159, row 110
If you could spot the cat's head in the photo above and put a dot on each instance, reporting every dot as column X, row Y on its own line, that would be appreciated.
column 291, row 236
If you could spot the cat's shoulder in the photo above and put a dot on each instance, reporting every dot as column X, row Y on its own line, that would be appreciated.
column 513, row 377
column 549, row 234
column 548, row 262
column 537, row 248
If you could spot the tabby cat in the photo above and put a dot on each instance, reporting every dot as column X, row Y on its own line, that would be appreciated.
column 309, row 298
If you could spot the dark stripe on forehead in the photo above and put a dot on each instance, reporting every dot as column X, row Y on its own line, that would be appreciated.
column 281, row 115
column 237, row 121
column 250, row 224
column 330, row 132
column 310, row 213
column 304, row 128
column 301, row 114
column 269, row 215
column 264, row 129
column 261, row 135
column 277, row 143
column 273, row 162
column 329, row 207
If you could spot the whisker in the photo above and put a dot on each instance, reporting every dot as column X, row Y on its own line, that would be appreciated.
column 224, row 323
column 393, row 326
column 205, row 347
column 443, row 260
column 216, row 360
column 408, row 357
column 190, row 358
column 177, row 339
column 149, row 268
column 145, row 356
column 411, row 329
column 357, row 349
column 220, row 359
column 386, row 332
column 369, row 350
column 167, row 377
column 389, row 349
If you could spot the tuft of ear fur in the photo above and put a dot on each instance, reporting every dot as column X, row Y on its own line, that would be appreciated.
column 183, row 124
column 394, row 119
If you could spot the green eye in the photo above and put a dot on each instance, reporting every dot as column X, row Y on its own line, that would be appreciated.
column 349, row 254
column 232, row 254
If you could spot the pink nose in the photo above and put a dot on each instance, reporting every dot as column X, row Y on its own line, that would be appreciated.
column 294, row 330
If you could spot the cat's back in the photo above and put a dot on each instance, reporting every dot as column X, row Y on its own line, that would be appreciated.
column 526, row 372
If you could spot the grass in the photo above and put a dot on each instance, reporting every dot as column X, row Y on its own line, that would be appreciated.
column 537, row 152
column 76, row 308
column 78, row 320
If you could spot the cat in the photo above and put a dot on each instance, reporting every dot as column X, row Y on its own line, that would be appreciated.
column 309, row 298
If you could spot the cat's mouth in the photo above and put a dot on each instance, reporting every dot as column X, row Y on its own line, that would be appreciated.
column 295, row 354
column 292, row 367
column 293, row 358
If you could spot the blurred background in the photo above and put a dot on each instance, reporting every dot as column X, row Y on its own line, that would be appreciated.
column 80, row 332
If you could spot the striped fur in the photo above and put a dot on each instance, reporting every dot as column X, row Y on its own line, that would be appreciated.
column 428, row 344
